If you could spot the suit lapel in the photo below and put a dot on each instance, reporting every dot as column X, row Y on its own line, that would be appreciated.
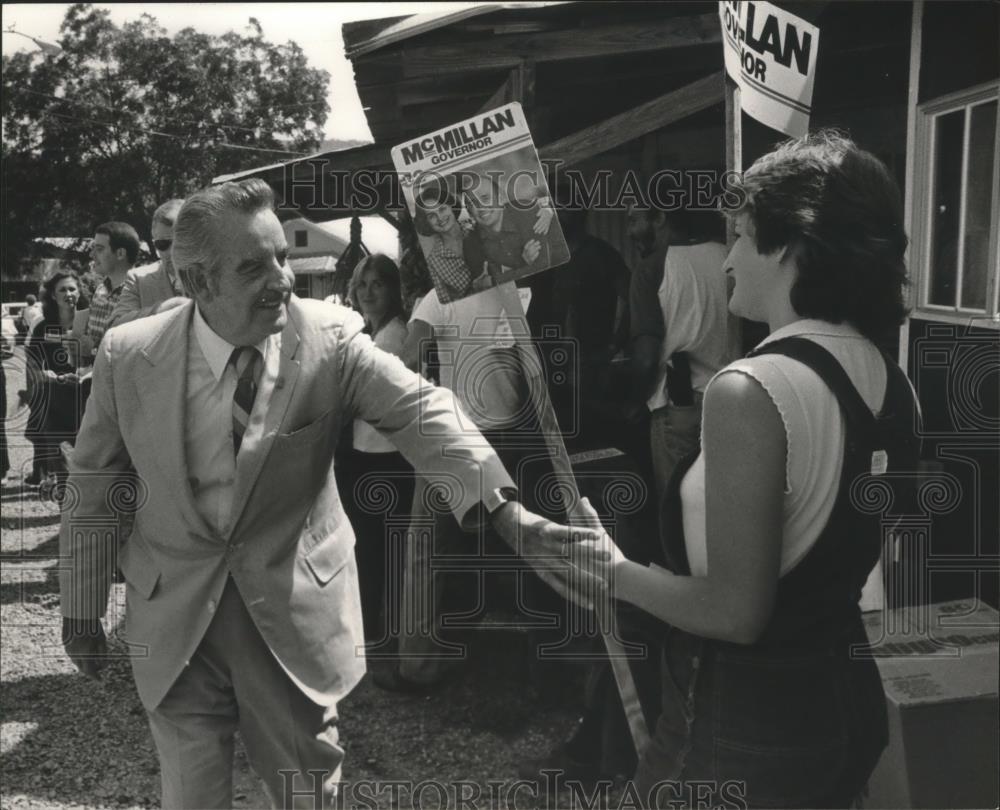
column 162, row 387
column 251, row 459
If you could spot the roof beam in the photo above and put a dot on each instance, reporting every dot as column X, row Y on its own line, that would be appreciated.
column 576, row 43
column 631, row 124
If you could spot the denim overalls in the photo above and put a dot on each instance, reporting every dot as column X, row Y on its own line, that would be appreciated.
column 793, row 720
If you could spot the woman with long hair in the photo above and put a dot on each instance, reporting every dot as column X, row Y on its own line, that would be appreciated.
column 374, row 466
column 56, row 406
column 766, row 539
column 436, row 217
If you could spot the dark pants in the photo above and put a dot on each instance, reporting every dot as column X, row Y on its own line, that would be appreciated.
column 788, row 728
column 377, row 492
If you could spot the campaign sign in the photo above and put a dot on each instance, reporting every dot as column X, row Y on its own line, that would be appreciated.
column 480, row 203
column 771, row 55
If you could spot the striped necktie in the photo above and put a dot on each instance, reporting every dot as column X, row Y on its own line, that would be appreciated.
column 248, row 363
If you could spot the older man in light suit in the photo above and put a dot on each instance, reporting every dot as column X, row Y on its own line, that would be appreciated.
column 155, row 287
column 242, row 593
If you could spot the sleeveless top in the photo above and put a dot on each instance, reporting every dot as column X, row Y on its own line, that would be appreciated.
column 817, row 599
column 814, row 430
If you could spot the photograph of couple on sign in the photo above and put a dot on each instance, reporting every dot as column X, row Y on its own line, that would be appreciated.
column 487, row 225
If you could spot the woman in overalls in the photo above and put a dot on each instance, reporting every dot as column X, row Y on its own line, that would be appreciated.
column 769, row 535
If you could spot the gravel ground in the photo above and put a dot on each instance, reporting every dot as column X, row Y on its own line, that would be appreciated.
column 67, row 742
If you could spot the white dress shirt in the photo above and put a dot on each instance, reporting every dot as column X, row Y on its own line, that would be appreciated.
column 208, row 423
column 208, row 431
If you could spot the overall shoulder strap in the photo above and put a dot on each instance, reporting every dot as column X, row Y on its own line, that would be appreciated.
column 856, row 412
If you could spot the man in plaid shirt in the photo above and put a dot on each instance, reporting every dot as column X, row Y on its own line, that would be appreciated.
column 115, row 250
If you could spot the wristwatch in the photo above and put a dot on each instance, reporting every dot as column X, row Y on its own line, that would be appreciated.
column 493, row 499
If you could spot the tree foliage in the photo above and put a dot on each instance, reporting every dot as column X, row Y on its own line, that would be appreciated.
column 127, row 117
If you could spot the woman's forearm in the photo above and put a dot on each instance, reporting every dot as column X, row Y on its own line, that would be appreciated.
column 698, row 605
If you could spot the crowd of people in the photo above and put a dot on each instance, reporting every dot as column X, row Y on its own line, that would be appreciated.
column 305, row 467
column 64, row 325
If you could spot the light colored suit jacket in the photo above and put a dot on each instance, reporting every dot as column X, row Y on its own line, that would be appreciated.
column 290, row 540
column 144, row 289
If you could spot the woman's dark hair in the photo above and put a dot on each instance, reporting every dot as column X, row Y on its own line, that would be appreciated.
column 430, row 197
column 50, row 308
column 388, row 274
column 838, row 208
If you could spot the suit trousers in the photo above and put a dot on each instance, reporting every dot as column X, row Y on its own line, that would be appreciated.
column 233, row 681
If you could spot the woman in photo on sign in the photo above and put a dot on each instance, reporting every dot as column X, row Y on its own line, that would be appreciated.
column 436, row 216
column 764, row 545
column 56, row 407
column 375, row 467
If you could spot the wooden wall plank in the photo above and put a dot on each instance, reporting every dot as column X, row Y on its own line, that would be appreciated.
column 627, row 126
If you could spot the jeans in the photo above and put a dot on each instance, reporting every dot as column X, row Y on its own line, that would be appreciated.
column 781, row 728
column 674, row 432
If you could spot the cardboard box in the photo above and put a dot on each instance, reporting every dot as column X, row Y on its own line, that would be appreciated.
column 940, row 669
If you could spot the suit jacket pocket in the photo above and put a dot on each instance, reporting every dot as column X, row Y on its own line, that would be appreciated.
column 307, row 433
column 137, row 565
column 327, row 557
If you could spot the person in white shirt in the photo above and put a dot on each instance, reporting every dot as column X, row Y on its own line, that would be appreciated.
column 679, row 325
column 373, row 469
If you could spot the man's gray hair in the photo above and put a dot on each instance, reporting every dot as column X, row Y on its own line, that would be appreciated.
column 166, row 214
column 194, row 230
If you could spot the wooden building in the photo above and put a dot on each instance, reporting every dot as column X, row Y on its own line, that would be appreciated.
column 619, row 87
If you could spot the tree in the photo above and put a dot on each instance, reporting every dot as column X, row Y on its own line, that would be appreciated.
column 127, row 117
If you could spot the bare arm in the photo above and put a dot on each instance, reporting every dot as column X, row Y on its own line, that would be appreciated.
column 744, row 484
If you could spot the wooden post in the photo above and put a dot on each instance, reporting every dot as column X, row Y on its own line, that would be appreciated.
column 912, row 98
column 734, row 163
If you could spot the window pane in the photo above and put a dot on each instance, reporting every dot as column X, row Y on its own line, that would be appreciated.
column 979, row 205
column 949, row 131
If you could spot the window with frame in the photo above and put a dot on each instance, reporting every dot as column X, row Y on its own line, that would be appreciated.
column 957, row 195
column 301, row 239
column 302, row 286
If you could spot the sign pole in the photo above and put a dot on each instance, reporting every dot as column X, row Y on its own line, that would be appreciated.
column 734, row 163
column 549, row 427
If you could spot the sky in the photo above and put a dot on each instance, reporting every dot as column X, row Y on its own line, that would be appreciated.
column 314, row 26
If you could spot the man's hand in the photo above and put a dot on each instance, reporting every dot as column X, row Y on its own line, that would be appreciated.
column 85, row 644
column 544, row 218
column 550, row 548
column 170, row 303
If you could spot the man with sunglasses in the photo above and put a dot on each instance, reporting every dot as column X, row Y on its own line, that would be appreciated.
column 155, row 287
